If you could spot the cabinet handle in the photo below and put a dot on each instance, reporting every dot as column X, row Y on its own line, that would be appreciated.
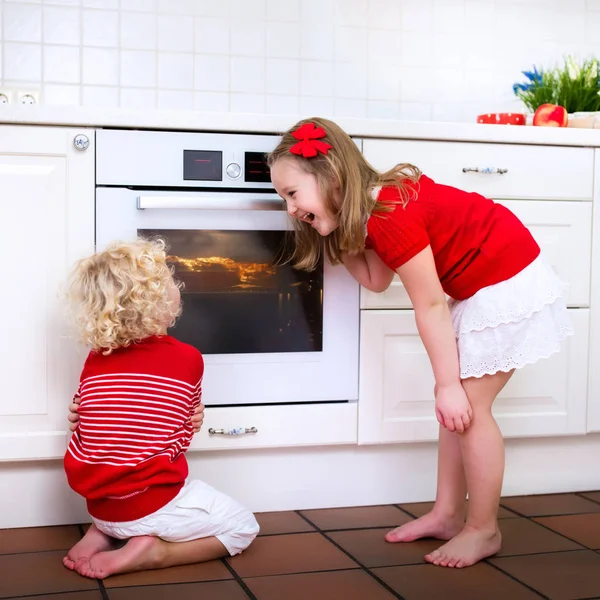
column 485, row 170
column 81, row 142
column 237, row 431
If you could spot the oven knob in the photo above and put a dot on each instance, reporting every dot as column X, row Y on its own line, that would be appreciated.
column 234, row 170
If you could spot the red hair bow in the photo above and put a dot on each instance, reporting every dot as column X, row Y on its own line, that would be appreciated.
column 309, row 143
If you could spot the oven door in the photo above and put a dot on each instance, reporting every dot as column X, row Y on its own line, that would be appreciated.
column 268, row 333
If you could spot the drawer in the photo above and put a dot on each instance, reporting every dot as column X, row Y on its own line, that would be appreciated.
column 278, row 426
column 540, row 172
column 562, row 229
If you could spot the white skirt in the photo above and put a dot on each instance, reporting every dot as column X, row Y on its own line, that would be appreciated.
column 513, row 323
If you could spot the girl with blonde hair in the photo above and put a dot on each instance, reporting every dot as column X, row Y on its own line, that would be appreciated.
column 138, row 391
column 506, row 307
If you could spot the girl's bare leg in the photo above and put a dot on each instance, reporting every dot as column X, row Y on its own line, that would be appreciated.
column 483, row 458
column 447, row 517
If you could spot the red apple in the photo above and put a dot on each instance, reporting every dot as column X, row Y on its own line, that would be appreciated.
column 550, row 115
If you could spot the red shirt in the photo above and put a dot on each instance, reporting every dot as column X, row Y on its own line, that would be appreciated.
column 127, row 455
column 475, row 242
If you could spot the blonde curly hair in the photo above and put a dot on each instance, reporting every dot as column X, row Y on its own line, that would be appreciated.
column 121, row 295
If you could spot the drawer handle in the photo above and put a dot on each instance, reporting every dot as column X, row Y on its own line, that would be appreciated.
column 236, row 431
column 485, row 170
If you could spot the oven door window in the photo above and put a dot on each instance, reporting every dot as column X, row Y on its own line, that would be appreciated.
column 240, row 296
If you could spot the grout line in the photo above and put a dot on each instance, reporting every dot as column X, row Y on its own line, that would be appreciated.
column 329, row 530
column 306, row 572
column 238, row 579
column 510, row 576
column 581, row 495
column 360, row 564
column 119, row 54
column 103, row 591
column 583, row 546
column 406, row 512
column 532, row 519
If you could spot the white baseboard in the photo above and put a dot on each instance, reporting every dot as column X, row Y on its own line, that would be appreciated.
column 37, row 494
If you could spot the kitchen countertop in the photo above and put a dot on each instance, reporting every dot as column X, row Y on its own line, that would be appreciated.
column 183, row 120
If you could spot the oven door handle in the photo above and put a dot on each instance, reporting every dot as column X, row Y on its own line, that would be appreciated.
column 212, row 201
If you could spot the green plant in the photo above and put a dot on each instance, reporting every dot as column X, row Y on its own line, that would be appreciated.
column 576, row 86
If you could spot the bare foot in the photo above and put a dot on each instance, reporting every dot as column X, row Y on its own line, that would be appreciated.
column 428, row 526
column 138, row 554
column 91, row 543
column 467, row 548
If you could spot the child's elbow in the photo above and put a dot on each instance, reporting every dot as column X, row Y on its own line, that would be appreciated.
column 378, row 287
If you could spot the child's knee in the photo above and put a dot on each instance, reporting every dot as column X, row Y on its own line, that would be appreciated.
column 241, row 534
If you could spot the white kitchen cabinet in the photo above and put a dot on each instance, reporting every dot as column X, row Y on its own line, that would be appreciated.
column 508, row 171
column 278, row 426
column 593, row 424
column 396, row 385
column 562, row 229
column 47, row 216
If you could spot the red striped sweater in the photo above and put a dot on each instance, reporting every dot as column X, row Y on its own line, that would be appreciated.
column 126, row 458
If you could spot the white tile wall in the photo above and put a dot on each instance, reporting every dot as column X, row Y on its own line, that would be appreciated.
column 408, row 59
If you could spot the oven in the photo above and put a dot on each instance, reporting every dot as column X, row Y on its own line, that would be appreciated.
column 268, row 333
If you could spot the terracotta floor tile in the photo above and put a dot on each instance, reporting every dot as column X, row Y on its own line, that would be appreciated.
column 550, row 505
column 418, row 509
column 282, row 522
column 295, row 553
column 214, row 570
column 522, row 536
column 95, row 595
column 559, row 576
column 369, row 547
column 595, row 496
column 357, row 517
column 330, row 585
column 584, row 529
column 38, row 539
column 39, row 573
column 213, row 590
column 426, row 582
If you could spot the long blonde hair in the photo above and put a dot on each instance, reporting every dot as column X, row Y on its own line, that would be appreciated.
column 120, row 295
column 343, row 167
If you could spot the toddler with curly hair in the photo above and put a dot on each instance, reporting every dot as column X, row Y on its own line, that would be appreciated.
column 137, row 393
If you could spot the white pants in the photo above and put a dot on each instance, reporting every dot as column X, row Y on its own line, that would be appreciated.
column 198, row 511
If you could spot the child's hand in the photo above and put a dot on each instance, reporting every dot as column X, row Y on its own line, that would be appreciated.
column 198, row 417
column 73, row 416
column 452, row 407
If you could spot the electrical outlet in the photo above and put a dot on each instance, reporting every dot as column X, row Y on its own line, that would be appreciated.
column 27, row 97
column 7, row 95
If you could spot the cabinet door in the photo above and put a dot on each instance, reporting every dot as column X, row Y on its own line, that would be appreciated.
column 396, row 385
column 47, row 213
column 594, row 374
column 562, row 229
column 509, row 171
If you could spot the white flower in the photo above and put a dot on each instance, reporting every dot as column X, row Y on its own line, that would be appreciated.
column 591, row 75
column 573, row 68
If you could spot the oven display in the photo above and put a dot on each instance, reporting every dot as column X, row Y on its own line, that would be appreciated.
column 202, row 165
column 256, row 168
